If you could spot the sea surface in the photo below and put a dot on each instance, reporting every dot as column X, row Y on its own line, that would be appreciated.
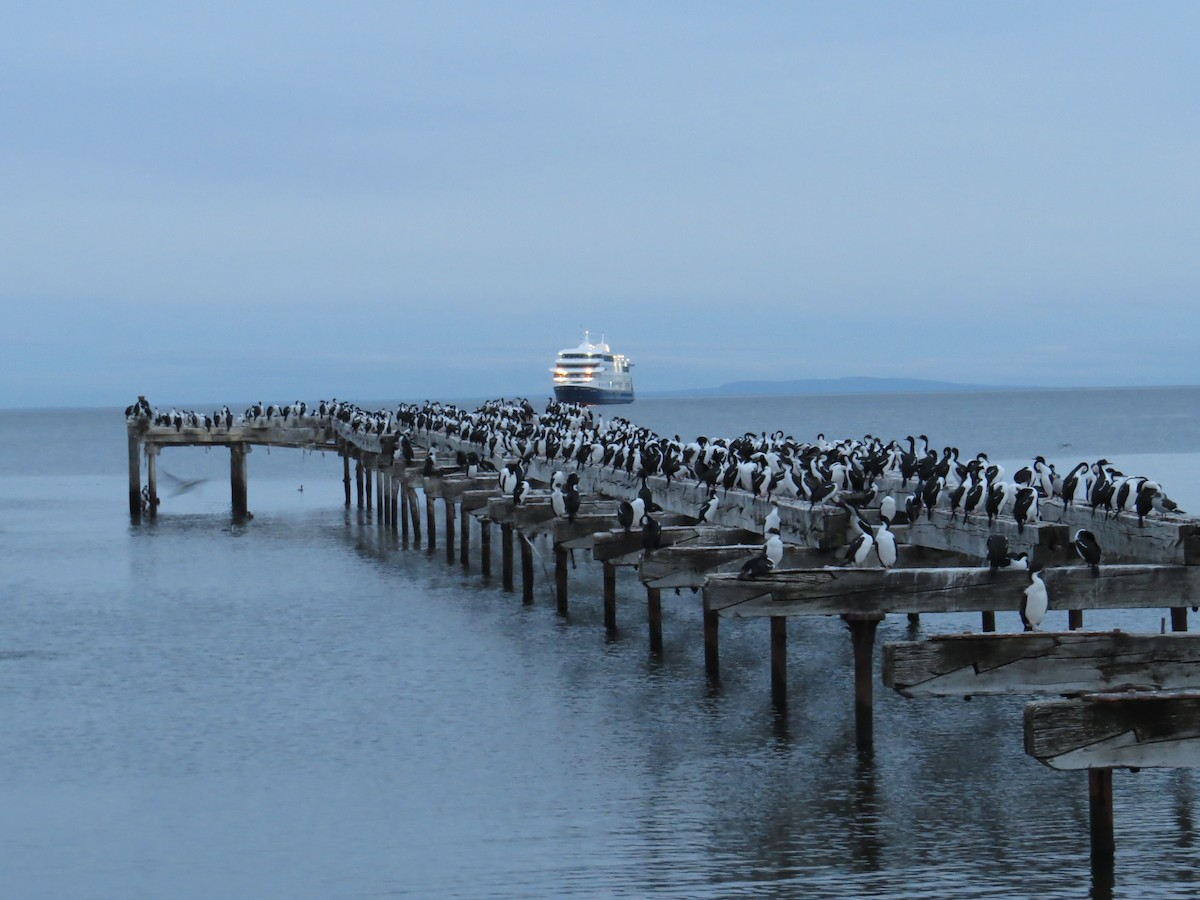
column 303, row 707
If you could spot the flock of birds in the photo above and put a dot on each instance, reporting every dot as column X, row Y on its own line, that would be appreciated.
column 849, row 473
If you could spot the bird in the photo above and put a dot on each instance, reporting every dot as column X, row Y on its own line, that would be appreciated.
column 558, row 501
column 756, row 566
column 571, row 498
column 997, row 552
column 860, row 549
column 1036, row 600
column 771, row 523
column 709, row 506
column 651, row 533
column 182, row 485
column 885, row 545
column 773, row 547
column 1088, row 549
column 887, row 509
column 1025, row 507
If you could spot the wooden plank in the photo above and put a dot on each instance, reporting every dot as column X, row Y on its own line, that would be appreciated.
column 1050, row 544
column 619, row 547
column 1032, row 663
column 1133, row 729
column 836, row 591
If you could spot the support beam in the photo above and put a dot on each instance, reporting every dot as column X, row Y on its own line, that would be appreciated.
column 358, row 481
column 561, row 562
column 237, row 480
column 152, row 479
column 464, row 537
column 526, row 568
column 135, row 476
column 506, row 557
column 485, row 547
column 346, row 473
column 779, row 662
column 451, row 515
column 654, row 618
column 712, row 656
column 1131, row 729
column 610, row 600
column 1063, row 662
column 430, row 523
column 862, row 636
column 1100, row 810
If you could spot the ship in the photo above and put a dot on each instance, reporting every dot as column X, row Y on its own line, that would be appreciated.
column 591, row 374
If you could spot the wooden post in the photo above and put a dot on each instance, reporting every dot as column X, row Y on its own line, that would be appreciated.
column 779, row 661
column 1074, row 619
column 414, row 512
column 394, row 499
column 989, row 621
column 431, row 522
column 358, row 481
column 712, row 658
column 380, row 502
column 914, row 619
column 402, row 489
column 654, row 617
column 385, row 498
column 1100, row 805
column 237, row 479
column 450, row 517
column 464, row 538
column 610, row 599
column 526, row 569
column 152, row 478
column 346, row 474
column 485, row 547
column 862, row 636
column 506, row 557
column 1179, row 618
column 368, row 480
column 561, row 560
column 135, row 476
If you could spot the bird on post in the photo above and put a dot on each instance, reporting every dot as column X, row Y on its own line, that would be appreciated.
column 709, row 506
column 651, row 533
column 997, row 552
column 1036, row 600
column 571, row 497
column 1088, row 549
column 885, row 545
column 757, row 566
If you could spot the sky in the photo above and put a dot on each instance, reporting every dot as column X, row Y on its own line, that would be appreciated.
column 285, row 201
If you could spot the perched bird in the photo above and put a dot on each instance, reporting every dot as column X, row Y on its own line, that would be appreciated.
column 651, row 533
column 756, row 566
column 1088, row 549
column 885, row 545
column 1036, row 601
column 571, row 498
column 860, row 549
column 887, row 509
column 773, row 547
column 1025, row 506
column 709, row 506
column 997, row 552
column 558, row 501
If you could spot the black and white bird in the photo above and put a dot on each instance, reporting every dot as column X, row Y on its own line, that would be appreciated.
column 1036, row 600
column 885, row 545
column 651, row 533
column 571, row 497
column 709, row 506
column 773, row 547
column 1025, row 507
column 757, row 566
column 997, row 552
column 1088, row 549
column 887, row 509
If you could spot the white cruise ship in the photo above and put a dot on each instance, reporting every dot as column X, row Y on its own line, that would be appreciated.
column 592, row 374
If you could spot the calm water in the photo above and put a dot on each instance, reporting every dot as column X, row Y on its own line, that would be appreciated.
column 301, row 707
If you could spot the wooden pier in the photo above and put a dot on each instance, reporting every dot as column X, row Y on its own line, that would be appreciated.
column 1149, row 561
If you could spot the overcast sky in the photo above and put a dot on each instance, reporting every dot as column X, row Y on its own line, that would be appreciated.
column 286, row 201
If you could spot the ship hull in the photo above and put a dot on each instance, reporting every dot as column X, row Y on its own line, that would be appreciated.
column 591, row 396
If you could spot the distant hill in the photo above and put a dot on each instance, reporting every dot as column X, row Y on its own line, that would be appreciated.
column 850, row 385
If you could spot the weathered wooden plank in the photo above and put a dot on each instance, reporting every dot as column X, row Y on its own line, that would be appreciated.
column 1050, row 544
column 622, row 548
column 1032, row 663
column 1133, row 729
column 476, row 501
column 836, row 591
column 452, row 487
